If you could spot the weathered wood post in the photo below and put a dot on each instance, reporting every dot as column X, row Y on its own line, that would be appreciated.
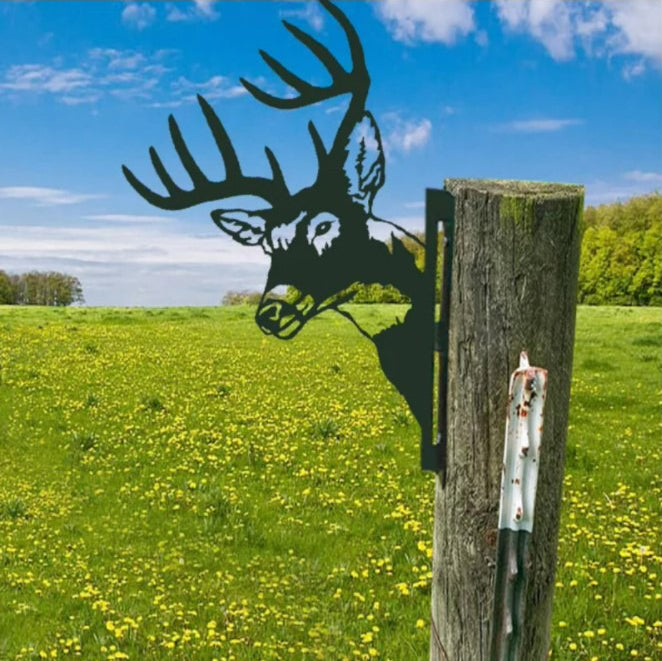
column 515, row 268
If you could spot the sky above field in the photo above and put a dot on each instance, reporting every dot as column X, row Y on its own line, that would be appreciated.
column 545, row 90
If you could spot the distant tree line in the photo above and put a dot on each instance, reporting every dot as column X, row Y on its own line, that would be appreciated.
column 621, row 262
column 40, row 288
column 242, row 297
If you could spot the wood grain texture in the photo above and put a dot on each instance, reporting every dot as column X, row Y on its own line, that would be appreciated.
column 515, row 269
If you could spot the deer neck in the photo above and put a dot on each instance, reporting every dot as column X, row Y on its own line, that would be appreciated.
column 385, row 261
column 389, row 262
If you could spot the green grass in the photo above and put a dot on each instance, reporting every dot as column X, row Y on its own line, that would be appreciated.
column 608, row 601
column 176, row 485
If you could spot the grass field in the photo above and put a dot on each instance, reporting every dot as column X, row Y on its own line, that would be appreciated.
column 175, row 485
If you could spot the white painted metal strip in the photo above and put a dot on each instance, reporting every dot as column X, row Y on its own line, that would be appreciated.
column 521, row 457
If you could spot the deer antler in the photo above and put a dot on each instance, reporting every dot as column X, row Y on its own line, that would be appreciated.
column 204, row 189
column 355, row 82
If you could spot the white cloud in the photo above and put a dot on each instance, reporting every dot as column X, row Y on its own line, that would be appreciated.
column 644, row 177
column 405, row 135
column 634, row 69
column 589, row 26
column 443, row 21
column 118, row 59
column 629, row 184
column 150, row 264
column 43, row 78
column 309, row 12
column 80, row 99
column 127, row 218
column 639, row 28
column 216, row 87
column 482, row 39
column 149, row 244
column 197, row 10
column 100, row 72
column 540, row 125
column 413, row 223
column 128, row 75
column 184, row 91
column 138, row 15
column 548, row 21
column 416, row 134
column 45, row 196
column 601, row 28
column 339, row 107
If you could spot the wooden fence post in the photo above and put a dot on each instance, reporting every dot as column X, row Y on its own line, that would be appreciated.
column 515, row 269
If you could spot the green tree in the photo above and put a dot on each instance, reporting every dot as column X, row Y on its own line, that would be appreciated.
column 621, row 262
column 41, row 288
column 244, row 297
column 7, row 296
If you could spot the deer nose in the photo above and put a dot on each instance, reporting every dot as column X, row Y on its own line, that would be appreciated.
column 279, row 318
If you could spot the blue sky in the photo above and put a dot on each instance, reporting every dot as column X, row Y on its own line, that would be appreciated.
column 541, row 89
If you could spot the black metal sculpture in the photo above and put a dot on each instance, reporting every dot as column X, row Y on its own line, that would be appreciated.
column 321, row 239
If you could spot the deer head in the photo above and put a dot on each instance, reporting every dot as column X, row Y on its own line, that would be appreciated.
column 316, row 238
column 319, row 238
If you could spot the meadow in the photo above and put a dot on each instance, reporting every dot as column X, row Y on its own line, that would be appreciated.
column 176, row 485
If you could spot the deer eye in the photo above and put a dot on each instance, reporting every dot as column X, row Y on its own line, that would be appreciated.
column 322, row 228
column 322, row 231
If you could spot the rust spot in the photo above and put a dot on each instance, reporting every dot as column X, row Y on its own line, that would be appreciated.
column 523, row 413
column 491, row 537
column 517, row 480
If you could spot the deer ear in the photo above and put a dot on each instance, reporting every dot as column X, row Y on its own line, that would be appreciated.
column 244, row 227
column 364, row 165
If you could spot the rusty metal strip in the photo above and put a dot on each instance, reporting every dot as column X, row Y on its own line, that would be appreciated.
column 524, row 425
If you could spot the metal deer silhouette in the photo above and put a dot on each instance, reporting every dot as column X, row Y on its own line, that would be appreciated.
column 322, row 240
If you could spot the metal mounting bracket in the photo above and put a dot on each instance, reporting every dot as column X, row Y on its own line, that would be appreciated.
column 439, row 208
